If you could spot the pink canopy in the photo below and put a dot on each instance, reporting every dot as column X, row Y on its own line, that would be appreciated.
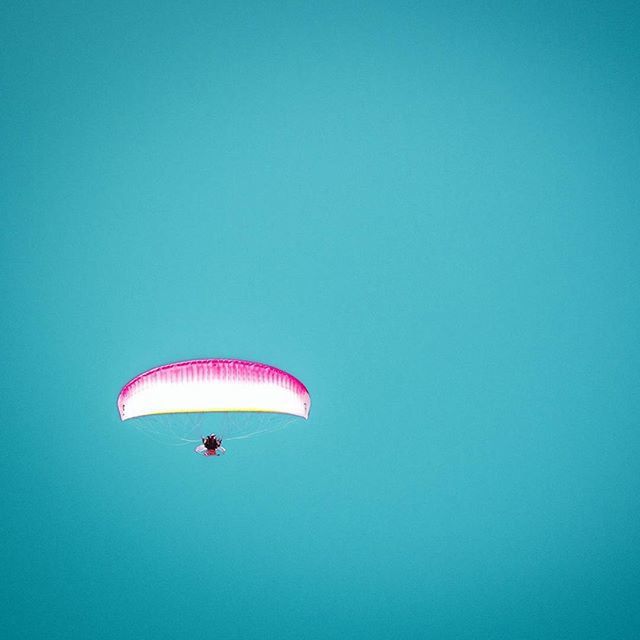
column 211, row 386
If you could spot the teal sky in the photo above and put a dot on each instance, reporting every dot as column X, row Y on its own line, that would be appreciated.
column 428, row 212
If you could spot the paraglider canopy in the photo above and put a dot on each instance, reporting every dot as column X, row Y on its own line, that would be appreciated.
column 213, row 385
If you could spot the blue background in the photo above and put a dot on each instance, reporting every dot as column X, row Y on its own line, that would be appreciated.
column 426, row 211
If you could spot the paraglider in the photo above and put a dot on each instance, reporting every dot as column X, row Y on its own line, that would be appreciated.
column 211, row 446
column 215, row 386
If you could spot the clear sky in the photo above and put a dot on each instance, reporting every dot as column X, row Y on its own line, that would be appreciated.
column 428, row 212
